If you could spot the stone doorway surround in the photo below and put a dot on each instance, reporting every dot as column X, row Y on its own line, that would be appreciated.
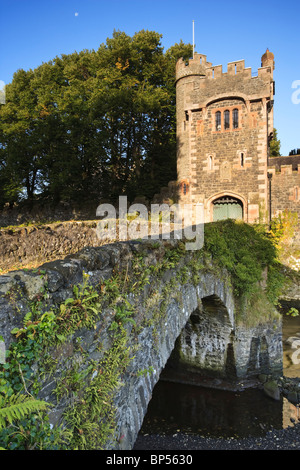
column 209, row 205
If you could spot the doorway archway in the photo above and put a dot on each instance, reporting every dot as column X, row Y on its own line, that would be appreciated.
column 227, row 207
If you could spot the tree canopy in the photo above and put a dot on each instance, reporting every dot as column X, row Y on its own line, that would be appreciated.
column 275, row 145
column 92, row 124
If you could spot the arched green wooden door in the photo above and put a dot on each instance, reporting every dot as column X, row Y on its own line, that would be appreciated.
column 227, row 207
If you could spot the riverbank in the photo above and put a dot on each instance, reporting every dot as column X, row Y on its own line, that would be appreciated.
column 283, row 439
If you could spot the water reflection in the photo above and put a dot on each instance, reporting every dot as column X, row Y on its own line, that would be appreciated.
column 218, row 413
column 204, row 411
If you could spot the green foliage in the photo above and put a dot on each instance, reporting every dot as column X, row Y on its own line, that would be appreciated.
column 43, row 330
column 92, row 420
column 275, row 145
column 18, row 407
column 92, row 124
column 145, row 372
column 294, row 312
column 275, row 283
column 244, row 250
column 123, row 315
column 249, row 254
column 282, row 230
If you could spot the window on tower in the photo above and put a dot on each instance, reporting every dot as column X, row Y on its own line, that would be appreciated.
column 218, row 120
column 226, row 119
column 235, row 118
column 184, row 188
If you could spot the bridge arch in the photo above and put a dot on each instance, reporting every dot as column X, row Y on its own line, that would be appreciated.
column 199, row 335
column 201, row 303
column 204, row 346
column 206, row 309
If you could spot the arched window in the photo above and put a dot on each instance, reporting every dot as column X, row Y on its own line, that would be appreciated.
column 218, row 120
column 235, row 118
column 226, row 119
column 210, row 162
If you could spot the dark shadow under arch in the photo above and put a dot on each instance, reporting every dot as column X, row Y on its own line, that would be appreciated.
column 196, row 357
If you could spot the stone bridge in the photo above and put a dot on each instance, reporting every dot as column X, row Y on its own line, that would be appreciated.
column 141, row 303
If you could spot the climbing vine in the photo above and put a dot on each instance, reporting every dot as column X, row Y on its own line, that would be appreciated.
column 92, row 420
column 40, row 332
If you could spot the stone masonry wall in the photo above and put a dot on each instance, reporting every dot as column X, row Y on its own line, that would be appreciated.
column 216, row 158
column 285, row 190
column 35, row 244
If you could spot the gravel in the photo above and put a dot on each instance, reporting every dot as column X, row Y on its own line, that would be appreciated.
column 283, row 439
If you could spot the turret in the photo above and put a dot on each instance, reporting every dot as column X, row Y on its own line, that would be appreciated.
column 267, row 60
column 196, row 66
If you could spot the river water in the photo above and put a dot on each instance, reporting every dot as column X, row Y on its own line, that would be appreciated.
column 217, row 413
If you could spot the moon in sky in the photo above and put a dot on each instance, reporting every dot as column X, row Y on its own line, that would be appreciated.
column 76, row 14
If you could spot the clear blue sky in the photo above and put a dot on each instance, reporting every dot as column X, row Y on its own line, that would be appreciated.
column 33, row 32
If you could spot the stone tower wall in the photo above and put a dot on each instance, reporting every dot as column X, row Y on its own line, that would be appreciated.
column 212, row 163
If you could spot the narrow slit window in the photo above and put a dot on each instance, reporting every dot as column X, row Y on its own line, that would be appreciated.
column 184, row 188
column 218, row 120
column 210, row 162
column 226, row 119
column 235, row 118
column 242, row 159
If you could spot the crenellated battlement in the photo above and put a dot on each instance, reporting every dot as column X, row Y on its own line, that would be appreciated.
column 284, row 169
column 284, row 165
column 200, row 67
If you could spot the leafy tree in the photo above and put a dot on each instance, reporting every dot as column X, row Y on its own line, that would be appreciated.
column 93, row 124
column 275, row 145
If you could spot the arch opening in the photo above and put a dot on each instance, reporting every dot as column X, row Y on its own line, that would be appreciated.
column 204, row 348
